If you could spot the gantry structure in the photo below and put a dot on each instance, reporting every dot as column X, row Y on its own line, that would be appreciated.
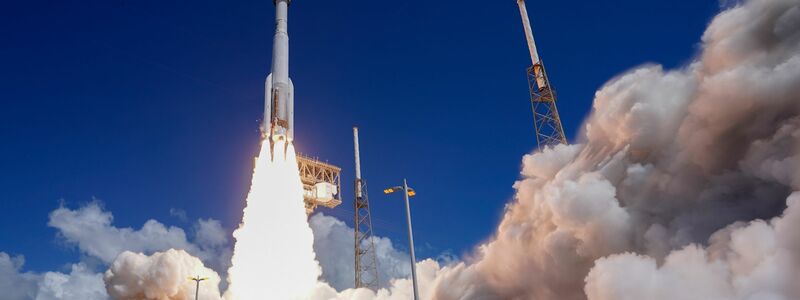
column 546, row 120
column 366, row 261
column 322, row 183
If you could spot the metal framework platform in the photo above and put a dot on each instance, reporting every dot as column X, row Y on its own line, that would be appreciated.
column 366, row 261
column 322, row 183
column 546, row 121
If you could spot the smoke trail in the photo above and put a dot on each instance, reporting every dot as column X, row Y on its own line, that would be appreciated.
column 273, row 254
column 686, row 171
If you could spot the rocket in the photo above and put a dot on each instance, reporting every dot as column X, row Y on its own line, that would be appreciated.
column 278, row 122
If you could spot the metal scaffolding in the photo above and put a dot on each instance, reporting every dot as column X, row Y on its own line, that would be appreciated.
column 366, row 261
column 546, row 121
column 322, row 183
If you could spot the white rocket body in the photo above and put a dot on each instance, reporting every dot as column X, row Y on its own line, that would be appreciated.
column 278, row 121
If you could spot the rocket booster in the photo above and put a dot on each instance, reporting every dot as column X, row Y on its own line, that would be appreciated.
column 278, row 122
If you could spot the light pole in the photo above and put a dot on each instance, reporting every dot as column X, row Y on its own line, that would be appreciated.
column 197, row 280
column 408, row 192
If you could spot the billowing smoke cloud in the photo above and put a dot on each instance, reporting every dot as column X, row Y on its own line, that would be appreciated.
column 744, row 261
column 90, row 228
column 147, row 252
column 101, row 244
column 80, row 283
column 162, row 275
column 132, row 274
column 678, row 188
column 400, row 289
column 138, row 276
column 333, row 244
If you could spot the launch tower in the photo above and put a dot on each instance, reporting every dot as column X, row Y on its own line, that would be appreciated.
column 366, row 261
column 322, row 183
column 546, row 121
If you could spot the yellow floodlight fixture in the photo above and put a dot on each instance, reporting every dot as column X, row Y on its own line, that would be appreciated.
column 197, row 280
column 390, row 190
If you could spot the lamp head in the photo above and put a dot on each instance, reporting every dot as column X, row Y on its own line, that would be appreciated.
column 411, row 192
column 392, row 189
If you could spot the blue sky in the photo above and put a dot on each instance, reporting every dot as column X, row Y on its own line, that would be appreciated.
column 154, row 105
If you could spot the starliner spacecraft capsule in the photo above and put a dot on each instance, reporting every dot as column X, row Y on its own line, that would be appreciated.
column 278, row 121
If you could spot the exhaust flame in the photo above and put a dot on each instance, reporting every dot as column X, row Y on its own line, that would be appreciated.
column 273, row 255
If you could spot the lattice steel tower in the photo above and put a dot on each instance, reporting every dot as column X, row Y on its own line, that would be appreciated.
column 546, row 121
column 366, row 262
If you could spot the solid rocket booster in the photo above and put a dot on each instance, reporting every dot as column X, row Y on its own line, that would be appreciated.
column 278, row 121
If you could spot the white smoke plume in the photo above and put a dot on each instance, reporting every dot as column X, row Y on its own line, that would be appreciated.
column 163, row 276
column 428, row 271
column 678, row 188
column 139, row 275
column 90, row 229
column 333, row 244
column 755, row 261
column 273, row 252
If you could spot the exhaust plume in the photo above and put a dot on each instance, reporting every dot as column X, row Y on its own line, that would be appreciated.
column 273, row 254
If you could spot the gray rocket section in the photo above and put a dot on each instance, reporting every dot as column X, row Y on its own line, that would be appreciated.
column 279, row 90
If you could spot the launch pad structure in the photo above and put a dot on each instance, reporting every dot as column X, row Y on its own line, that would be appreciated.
column 366, row 260
column 546, row 121
column 322, row 183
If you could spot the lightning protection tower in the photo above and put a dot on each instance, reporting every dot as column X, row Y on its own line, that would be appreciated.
column 366, row 262
column 546, row 121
